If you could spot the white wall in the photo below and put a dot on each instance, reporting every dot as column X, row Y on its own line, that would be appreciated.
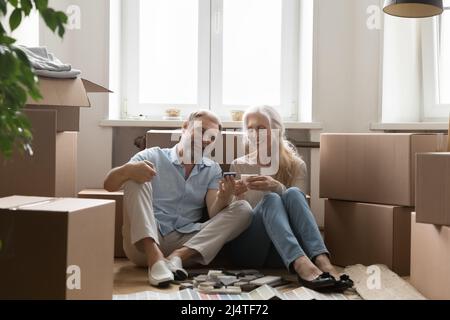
column 346, row 66
column 347, row 74
column 402, row 71
column 87, row 49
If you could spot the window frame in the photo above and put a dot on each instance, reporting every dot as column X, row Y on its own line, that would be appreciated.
column 209, row 65
column 130, row 63
column 433, row 110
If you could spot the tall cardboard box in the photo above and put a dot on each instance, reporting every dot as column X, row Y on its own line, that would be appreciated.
column 433, row 188
column 430, row 259
column 373, row 168
column 51, row 170
column 66, row 97
column 56, row 248
column 363, row 233
column 118, row 198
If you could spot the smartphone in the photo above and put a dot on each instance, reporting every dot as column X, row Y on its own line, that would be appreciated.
column 244, row 177
column 229, row 174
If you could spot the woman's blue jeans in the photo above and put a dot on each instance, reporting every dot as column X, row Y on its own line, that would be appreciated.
column 283, row 229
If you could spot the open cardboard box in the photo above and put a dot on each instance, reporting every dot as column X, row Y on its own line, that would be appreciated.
column 66, row 96
column 51, row 171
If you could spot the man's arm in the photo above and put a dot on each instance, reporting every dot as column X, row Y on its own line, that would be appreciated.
column 140, row 172
column 217, row 200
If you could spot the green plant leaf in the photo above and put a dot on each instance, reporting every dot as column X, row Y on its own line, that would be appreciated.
column 22, row 56
column 8, row 65
column 15, row 19
column 41, row 4
column 26, row 6
column 5, row 40
column 49, row 18
column 3, row 6
column 61, row 17
column 14, row 3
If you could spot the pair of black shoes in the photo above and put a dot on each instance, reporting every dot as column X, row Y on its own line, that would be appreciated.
column 326, row 283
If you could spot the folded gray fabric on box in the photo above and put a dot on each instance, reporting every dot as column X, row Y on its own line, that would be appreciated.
column 45, row 63
column 58, row 74
column 41, row 59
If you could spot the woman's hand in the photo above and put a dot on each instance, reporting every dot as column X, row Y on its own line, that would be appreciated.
column 240, row 188
column 226, row 188
column 263, row 183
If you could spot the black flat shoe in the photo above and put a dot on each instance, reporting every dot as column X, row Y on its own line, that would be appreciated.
column 345, row 282
column 321, row 283
column 341, row 285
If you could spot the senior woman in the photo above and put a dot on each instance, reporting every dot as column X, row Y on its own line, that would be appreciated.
column 272, row 179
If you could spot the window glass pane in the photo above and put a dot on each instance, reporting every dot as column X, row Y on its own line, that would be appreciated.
column 444, row 58
column 252, row 32
column 168, row 51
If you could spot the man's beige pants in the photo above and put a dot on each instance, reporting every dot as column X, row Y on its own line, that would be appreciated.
column 140, row 223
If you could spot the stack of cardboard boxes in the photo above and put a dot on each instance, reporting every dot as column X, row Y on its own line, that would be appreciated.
column 430, row 234
column 53, row 247
column 369, row 183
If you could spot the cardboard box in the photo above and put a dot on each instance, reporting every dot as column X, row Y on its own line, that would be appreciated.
column 363, row 233
column 373, row 168
column 118, row 198
column 56, row 248
column 51, row 170
column 433, row 188
column 430, row 259
column 66, row 97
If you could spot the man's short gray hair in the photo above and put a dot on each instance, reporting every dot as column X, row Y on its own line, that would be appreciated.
column 204, row 113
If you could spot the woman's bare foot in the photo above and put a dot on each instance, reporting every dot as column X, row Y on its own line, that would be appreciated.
column 306, row 269
column 323, row 263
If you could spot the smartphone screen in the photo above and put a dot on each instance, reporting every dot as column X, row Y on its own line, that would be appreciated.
column 229, row 174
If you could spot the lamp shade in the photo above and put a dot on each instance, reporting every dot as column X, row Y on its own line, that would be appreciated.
column 413, row 8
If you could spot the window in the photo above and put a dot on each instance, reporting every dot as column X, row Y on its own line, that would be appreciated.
column 218, row 54
column 436, row 65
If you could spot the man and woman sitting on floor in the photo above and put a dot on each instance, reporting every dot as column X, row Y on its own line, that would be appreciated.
column 263, row 216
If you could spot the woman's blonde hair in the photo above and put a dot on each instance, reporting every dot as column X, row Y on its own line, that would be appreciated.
column 287, row 151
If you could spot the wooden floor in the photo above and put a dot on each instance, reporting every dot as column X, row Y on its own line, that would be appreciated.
column 131, row 279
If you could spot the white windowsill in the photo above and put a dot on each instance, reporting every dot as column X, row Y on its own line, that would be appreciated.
column 409, row 126
column 177, row 124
